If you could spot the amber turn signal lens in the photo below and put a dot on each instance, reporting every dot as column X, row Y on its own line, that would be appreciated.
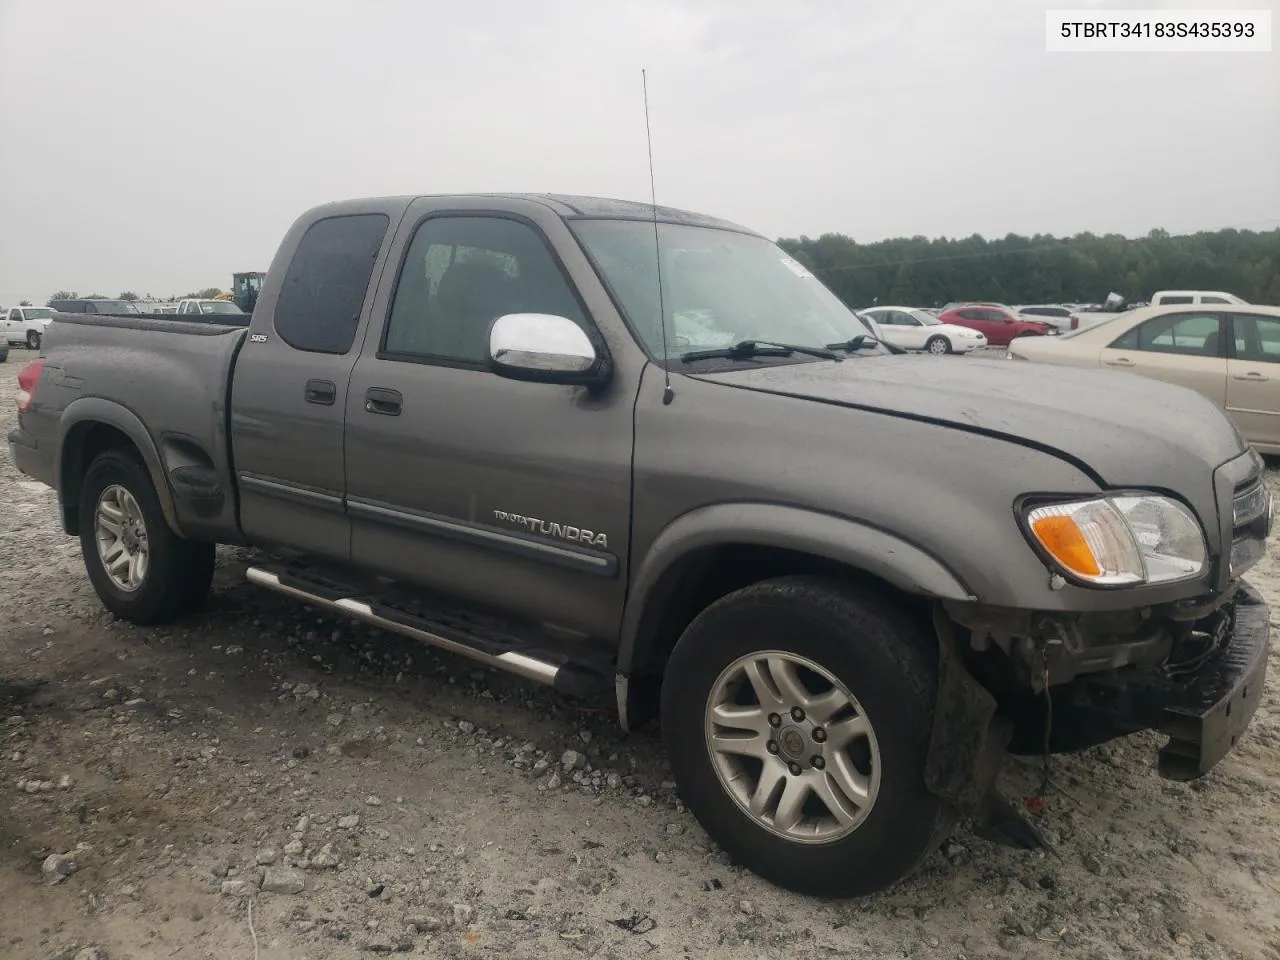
column 1066, row 544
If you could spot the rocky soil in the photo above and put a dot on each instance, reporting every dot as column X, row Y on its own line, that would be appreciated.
column 263, row 781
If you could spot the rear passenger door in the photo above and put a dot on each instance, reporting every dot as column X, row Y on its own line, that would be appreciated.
column 1253, row 379
column 288, row 394
column 471, row 484
column 1183, row 348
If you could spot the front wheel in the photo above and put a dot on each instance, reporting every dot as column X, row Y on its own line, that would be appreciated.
column 142, row 571
column 797, row 714
column 33, row 339
column 938, row 345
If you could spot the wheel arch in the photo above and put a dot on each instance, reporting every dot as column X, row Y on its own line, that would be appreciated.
column 90, row 426
column 714, row 550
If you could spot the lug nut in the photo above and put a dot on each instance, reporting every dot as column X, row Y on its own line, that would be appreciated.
column 795, row 769
column 797, row 714
column 819, row 735
column 772, row 746
column 818, row 763
column 775, row 720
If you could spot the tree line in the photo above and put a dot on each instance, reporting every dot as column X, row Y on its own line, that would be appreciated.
column 208, row 293
column 918, row 271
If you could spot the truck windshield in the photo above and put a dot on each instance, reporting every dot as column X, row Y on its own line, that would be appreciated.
column 114, row 306
column 219, row 306
column 719, row 288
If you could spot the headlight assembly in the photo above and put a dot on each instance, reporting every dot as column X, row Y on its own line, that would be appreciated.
column 1120, row 540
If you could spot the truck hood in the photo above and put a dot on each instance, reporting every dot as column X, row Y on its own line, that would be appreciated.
column 1123, row 429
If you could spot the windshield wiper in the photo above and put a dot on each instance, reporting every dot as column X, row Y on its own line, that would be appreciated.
column 745, row 349
column 861, row 340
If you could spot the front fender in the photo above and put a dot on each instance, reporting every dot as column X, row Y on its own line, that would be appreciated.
column 856, row 544
column 79, row 416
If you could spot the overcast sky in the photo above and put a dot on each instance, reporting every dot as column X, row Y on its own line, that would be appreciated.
column 160, row 146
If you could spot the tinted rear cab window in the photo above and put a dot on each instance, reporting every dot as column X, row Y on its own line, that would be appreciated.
column 324, row 288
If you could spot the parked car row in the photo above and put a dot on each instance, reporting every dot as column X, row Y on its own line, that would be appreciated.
column 915, row 329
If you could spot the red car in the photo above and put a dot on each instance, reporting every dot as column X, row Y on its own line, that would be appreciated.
column 1000, row 324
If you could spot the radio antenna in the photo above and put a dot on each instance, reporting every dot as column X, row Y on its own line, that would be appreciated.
column 667, row 393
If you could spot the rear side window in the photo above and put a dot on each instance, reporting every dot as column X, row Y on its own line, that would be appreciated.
column 1257, row 338
column 1212, row 299
column 325, row 285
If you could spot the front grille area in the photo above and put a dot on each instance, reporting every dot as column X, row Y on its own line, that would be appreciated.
column 1250, row 524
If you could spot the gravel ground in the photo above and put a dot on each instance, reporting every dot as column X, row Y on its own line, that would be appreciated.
column 263, row 781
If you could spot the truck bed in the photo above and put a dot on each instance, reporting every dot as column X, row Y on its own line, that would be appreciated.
column 166, row 378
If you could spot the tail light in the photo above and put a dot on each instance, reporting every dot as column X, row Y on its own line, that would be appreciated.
column 28, row 377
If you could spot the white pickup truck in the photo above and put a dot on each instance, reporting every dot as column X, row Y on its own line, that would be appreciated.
column 25, row 325
column 208, row 308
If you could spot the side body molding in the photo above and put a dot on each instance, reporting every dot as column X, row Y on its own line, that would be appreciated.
column 80, row 415
column 857, row 544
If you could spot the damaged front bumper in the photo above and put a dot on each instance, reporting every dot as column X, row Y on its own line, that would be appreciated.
column 1203, row 711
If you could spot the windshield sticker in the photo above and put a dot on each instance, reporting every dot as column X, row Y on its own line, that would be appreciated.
column 796, row 267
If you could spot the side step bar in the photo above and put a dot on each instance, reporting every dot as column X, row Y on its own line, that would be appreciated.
column 566, row 678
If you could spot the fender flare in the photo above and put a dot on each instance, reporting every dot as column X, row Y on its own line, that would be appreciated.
column 852, row 542
column 90, row 410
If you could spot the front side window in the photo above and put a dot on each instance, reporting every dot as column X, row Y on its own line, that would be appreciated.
column 1186, row 334
column 36, row 313
column 462, row 273
column 324, row 288
column 719, row 287
column 1175, row 301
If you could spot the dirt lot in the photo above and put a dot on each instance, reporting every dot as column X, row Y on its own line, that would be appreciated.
column 400, row 800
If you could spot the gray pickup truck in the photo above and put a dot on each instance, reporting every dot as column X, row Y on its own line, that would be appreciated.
column 644, row 453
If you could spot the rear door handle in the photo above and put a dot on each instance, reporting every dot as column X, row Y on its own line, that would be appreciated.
column 322, row 392
column 1120, row 362
column 384, row 401
column 1251, row 375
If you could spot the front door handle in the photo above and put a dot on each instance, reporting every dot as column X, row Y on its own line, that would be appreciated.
column 1251, row 375
column 322, row 392
column 384, row 401
column 1120, row 362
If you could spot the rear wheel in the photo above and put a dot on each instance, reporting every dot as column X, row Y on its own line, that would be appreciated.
column 142, row 571
column 33, row 339
column 797, row 714
column 938, row 345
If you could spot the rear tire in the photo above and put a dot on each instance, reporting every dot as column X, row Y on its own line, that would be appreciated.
column 865, row 651
column 142, row 571
column 938, row 345
column 33, row 339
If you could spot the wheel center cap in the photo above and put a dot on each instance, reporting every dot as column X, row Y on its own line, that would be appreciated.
column 791, row 743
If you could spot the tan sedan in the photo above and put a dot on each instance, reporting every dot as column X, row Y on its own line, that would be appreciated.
column 1230, row 354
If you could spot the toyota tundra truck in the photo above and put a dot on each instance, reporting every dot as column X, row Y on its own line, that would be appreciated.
column 631, row 451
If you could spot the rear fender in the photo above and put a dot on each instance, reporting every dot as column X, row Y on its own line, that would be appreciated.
column 73, row 427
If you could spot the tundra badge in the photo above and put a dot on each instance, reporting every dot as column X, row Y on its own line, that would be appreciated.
column 549, row 529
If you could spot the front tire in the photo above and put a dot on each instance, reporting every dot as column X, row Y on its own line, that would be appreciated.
column 938, row 345
column 142, row 571
column 797, row 715
column 33, row 339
